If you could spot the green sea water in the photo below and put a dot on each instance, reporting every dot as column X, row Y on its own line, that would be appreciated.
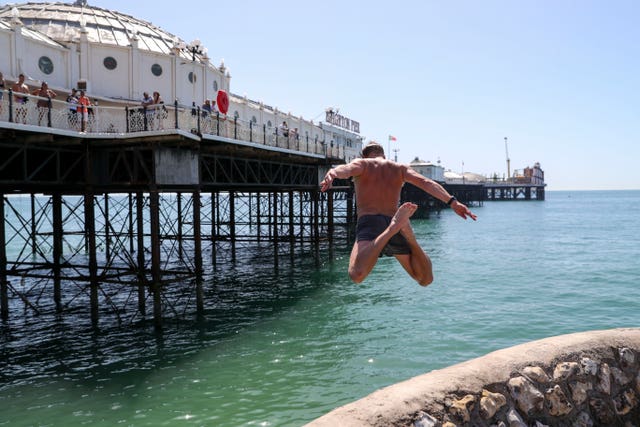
column 283, row 349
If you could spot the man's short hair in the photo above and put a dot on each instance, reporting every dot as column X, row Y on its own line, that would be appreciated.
column 372, row 148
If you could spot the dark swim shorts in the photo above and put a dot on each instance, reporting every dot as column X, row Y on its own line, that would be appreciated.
column 371, row 226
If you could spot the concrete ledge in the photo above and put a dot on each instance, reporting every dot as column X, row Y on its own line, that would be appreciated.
column 583, row 379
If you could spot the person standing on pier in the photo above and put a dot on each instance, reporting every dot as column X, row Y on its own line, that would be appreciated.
column 383, row 228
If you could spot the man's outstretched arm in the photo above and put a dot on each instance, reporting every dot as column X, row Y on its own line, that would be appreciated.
column 438, row 191
column 343, row 171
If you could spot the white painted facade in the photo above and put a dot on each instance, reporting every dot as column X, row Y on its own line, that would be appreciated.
column 117, row 58
column 428, row 169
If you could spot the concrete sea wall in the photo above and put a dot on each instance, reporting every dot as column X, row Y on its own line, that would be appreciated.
column 577, row 380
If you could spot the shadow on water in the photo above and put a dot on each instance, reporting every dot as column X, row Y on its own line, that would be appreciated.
column 54, row 347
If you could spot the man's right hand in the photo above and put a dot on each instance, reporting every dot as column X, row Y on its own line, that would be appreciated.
column 327, row 181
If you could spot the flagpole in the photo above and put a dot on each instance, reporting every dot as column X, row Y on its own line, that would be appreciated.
column 388, row 146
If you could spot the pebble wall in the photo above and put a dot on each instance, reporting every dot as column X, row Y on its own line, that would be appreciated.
column 578, row 380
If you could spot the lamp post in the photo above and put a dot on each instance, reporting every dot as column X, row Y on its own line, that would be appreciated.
column 195, row 48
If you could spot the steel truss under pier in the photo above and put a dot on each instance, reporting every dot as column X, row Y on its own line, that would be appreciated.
column 135, row 227
column 514, row 191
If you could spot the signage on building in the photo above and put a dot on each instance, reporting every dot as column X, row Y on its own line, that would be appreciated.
column 337, row 120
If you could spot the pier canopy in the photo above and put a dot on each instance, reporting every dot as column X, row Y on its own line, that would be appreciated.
column 64, row 22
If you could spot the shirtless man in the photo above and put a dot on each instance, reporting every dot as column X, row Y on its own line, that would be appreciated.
column 383, row 227
column 19, row 89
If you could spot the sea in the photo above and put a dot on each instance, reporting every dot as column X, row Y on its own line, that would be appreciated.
column 283, row 349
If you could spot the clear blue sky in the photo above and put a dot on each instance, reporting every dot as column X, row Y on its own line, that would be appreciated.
column 450, row 79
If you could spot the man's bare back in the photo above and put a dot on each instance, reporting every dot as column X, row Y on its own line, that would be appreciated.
column 378, row 183
column 378, row 186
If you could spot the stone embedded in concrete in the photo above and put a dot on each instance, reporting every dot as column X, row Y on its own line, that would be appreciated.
column 565, row 370
column 526, row 395
column 619, row 377
column 557, row 402
column 583, row 420
column 625, row 402
column 627, row 357
column 514, row 419
column 589, row 366
column 539, row 424
column 604, row 379
column 601, row 411
column 536, row 373
column 425, row 420
column 462, row 408
column 579, row 391
column 449, row 424
column 490, row 403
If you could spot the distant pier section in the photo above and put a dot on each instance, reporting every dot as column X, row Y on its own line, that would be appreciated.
column 474, row 189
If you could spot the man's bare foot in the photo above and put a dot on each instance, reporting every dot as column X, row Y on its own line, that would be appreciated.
column 401, row 217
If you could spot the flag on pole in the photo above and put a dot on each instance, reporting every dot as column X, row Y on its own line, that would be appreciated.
column 392, row 138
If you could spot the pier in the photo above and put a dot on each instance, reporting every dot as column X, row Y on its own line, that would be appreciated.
column 123, row 219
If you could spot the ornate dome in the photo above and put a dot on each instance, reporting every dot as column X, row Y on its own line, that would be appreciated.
column 63, row 23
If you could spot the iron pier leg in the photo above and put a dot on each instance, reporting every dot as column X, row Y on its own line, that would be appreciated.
column 259, row 215
column 34, row 243
column 215, row 225
column 179, row 204
column 155, row 257
column 57, row 249
column 316, row 231
column 232, row 223
column 197, row 242
column 141, row 268
column 90, row 227
column 4, row 286
column 291, row 219
column 107, row 227
column 131, row 233
column 275, row 231
column 330, row 217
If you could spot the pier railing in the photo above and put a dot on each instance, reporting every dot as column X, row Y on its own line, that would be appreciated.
column 26, row 109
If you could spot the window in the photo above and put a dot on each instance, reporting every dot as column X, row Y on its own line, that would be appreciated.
column 215, row 85
column 156, row 70
column 236, row 115
column 45, row 64
column 269, row 124
column 254, row 119
column 110, row 63
column 192, row 77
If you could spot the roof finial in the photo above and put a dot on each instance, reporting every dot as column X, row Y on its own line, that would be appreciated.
column 81, row 3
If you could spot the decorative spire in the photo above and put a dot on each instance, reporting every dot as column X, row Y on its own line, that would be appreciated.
column 81, row 3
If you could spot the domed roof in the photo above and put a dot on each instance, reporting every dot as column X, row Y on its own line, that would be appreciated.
column 63, row 23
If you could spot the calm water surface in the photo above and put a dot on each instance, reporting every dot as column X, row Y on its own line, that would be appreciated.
column 283, row 350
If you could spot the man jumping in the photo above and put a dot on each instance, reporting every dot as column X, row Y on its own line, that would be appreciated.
column 383, row 227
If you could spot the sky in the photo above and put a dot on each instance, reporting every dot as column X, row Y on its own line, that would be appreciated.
column 450, row 79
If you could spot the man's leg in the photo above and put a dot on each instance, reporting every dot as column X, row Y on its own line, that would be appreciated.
column 365, row 253
column 417, row 263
